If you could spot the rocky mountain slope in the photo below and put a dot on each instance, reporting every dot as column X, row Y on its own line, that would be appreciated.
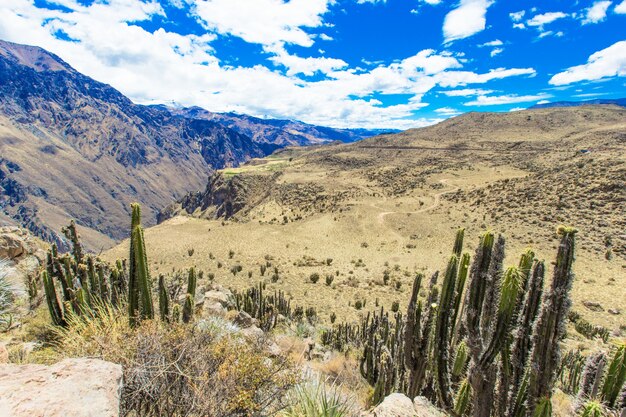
column 280, row 132
column 72, row 147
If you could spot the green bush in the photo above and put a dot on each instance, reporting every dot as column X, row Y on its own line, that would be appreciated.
column 319, row 399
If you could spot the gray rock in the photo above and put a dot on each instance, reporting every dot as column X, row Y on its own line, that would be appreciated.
column 11, row 246
column 73, row 387
column 424, row 408
column 214, row 296
column 394, row 405
column 243, row 320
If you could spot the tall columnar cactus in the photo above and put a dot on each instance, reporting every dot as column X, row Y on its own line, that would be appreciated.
column 550, row 327
column 462, row 400
column 592, row 375
column 522, row 342
column 417, row 335
column 442, row 333
column 139, row 287
column 56, row 312
column 164, row 300
column 71, row 234
column 615, row 376
column 190, row 297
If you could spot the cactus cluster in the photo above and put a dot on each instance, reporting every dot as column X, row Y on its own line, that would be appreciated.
column 266, row 308
column 484, row 342
column 84, row 281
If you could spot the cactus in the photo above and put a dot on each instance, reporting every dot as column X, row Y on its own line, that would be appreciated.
column 592, row 375
column 460, row 360
column 442, row 331
column 417, row 335
column 615, row 376
column 189, row 305
column 56, row 313
column 140, row 295
column 164, row 300
column 543, row 408
column 591, row 409
column 550, row 326
column 462, row 400
column 72, row 235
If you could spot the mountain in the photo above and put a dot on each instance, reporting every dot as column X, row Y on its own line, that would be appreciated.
column 75, row 148
column 617, row 102
column 279, row 132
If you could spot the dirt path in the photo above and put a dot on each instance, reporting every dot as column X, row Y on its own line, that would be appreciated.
column 437, row 200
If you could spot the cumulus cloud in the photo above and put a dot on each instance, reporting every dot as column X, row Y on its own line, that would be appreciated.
column 506, row 99
column 265, row 22
column 447, row 111
column 596, row 13
column 467, row 92
column 517, row 16
column 466, row 20
column 495, row 42
column 543, row 19
column 110, row 44
column 608, row 62
column 620, row 8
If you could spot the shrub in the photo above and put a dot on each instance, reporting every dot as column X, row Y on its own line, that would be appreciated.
column 329, row 280
column 180, row 370
column 314, row 277
column 358, row 304
column 395, row 306
column 190, row 251
column 319, row 399
column 231, row 254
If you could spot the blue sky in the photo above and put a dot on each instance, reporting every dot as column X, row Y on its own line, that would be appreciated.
column 344, row 63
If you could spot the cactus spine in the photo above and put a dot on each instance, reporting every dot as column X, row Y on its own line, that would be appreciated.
column 550, row 326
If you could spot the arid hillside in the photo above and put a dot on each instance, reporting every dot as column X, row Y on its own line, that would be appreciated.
column 361, row 219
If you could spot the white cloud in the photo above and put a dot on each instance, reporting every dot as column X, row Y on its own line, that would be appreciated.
column 266, row 22
column 495, row 52
column 325, row 37
column 543, row 19
column 432, row 2
column 447, row 111
column 597, row 12
column 506, row 99
column 514, row 109
column 620, row 8
column 466, row 20
column 519, row 26
column 543, row 102
column 163, row 67
column 608, row 62
column 517, row 16
column 496, row 42
column 467, row 92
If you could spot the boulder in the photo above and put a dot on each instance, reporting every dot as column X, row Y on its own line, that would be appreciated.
column 424, row 408
column 394, row 405
column 243, row 320
column 11, row 246
column 211, row 308
column 73, row 387
column 214, row 296
column 252, row 333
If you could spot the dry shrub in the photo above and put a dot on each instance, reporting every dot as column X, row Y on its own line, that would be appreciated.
column 182, row 370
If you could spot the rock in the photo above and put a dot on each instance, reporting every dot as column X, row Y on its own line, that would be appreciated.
column 593, row 306
column 394, row 405
column 243, row 320
column 214, row 296
column 274, row 350
column 252, row 333
column 212, row 308
column 11, row 246
column 73, row 387
column 4, row 354
column 424, row 408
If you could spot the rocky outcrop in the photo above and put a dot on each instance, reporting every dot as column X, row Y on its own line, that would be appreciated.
column 73, row 387
column 399, row 405
column 224, row 197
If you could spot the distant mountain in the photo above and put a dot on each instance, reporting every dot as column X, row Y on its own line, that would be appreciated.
column 617, row 102
column 72, row 147
column 279, row 132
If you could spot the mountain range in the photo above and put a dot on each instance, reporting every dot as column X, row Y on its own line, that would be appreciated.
column 75, row 148
column 616, row 102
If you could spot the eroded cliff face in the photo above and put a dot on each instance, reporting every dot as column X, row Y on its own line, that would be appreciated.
column 224, row 197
